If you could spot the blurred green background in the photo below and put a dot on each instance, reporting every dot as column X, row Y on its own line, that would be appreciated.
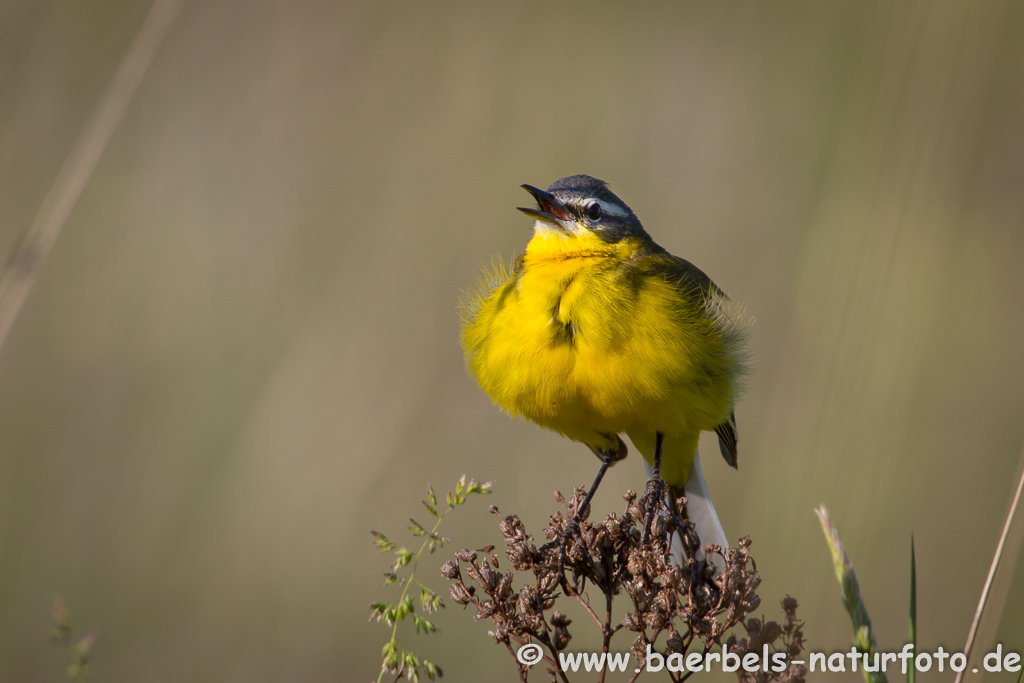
column 242, row 353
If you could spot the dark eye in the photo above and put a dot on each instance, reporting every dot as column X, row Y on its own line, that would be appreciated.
column 594, row 212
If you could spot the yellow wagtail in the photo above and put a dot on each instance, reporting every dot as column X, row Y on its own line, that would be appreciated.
column 597, row 331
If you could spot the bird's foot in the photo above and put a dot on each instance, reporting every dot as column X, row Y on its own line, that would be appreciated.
column 571, row 529
column 652, row 498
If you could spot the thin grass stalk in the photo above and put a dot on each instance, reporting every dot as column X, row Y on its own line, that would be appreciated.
column 34, row 246
column 912, row 672
column 993, row 568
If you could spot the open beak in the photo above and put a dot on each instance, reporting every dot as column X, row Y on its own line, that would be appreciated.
column 549, row 209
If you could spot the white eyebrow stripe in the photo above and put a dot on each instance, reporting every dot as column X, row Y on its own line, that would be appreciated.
column 612, row 209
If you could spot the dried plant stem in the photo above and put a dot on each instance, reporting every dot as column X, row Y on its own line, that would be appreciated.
column 36, row 243
column 607, row 631
column 522, row 669
column 993, row 568
column 590, row 611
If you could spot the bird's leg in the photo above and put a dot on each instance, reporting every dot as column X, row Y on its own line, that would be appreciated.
column 608, row 458
column 654, row 489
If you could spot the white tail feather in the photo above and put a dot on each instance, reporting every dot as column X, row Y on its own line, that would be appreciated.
column 702, row 513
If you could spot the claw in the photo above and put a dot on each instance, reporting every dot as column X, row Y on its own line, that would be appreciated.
column 572, row 528
column 653, row 500
column 608, row 458
column 654, row 489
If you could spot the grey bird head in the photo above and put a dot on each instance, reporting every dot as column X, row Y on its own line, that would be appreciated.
column 581, row 203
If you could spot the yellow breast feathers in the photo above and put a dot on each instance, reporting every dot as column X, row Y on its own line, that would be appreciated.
column 593, row 339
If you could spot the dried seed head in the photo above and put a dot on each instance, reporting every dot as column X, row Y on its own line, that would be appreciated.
column 630, row 622
column 460, row 594
column 605, row 559
column 528, row 603
column 639, row 647
column 771, row 632
column 486, row 610
column 561, row 637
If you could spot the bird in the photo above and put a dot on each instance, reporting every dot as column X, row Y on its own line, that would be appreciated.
column 595, row 332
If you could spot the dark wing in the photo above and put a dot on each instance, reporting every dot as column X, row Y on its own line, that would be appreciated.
column 728, row 439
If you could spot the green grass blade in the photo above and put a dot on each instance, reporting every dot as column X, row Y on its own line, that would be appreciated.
column 863, row 636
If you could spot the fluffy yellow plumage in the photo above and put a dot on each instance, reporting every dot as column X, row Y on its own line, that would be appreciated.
column 597, row 331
